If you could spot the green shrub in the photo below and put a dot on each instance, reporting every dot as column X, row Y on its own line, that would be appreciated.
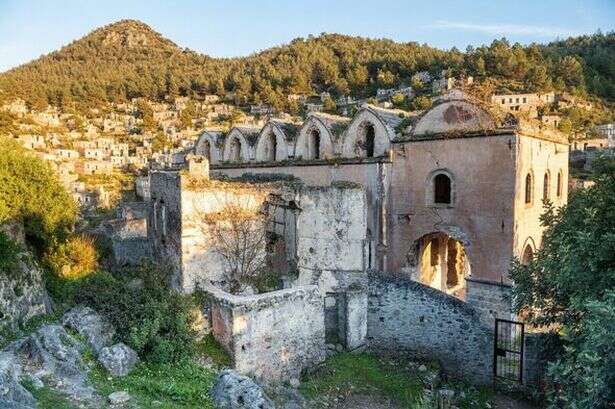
column 149, row 317
column 74, row 258
column 585, row 374
column 32, row 193
column 9, row 254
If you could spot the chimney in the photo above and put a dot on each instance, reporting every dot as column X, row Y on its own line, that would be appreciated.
column 198, row 165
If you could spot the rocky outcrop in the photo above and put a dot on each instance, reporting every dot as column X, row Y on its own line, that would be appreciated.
column 118, row 359
column 12, row 393
column 235, row 391
column 53, row 356
column 22, row 293
column 91, row 325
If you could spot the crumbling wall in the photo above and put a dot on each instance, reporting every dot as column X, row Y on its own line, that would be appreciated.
column 331, row 236
column 272, row 336
column 406, row 315
column 201, row 263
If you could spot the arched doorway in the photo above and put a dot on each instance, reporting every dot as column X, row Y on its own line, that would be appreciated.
column 442, row 263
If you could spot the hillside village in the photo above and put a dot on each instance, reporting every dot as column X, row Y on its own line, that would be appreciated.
column 122, row 141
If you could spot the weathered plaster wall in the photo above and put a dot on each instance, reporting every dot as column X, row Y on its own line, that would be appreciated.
column 373, row 175
column 406, row 315
column 200, row 262
column 272, row 336
column 331, row 226
column 481, row 215
column 537, row 157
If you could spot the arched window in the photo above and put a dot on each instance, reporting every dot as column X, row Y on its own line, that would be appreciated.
column 528, row 255
column 272, row 146
column 559, row 189
column 235, row 150
column 545, row 187
column 442, row 189
column 370, row 139
column 528, row 188
column 314, row 145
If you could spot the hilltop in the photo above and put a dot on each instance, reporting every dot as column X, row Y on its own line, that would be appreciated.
column 128, row 59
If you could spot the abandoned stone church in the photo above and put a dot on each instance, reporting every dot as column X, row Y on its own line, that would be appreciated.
column 391, row 230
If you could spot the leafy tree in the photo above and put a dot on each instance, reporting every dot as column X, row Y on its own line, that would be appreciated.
column 31, row 193
column 329, row 105
column 569, row 285
column 420, row 103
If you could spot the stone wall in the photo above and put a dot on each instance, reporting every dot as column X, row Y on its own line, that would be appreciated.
column 272, row 336
column 490, row 300
column 406, row 315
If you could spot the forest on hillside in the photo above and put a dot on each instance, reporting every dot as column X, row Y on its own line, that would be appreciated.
column 128, row 59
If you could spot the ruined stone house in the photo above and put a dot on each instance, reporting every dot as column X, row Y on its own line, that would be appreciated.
column 434, row 205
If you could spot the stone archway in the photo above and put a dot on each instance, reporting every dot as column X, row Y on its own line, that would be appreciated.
column 441, row 261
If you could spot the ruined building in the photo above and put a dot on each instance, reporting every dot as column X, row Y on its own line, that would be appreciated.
column 390, row 230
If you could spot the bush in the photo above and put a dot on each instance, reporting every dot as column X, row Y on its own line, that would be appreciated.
column 9, row 254
column 585, row 375
column 32, row 193
column 149, row 317
column 75, row 258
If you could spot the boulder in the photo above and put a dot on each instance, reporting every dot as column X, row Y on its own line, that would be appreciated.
column 51, row 354
column 12, row 393
column 235, row 391
column 90, row 324
column 118, row 398
column 118, row 359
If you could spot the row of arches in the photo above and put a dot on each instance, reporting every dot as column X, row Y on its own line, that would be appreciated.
column 546, row 187
column 320, row 137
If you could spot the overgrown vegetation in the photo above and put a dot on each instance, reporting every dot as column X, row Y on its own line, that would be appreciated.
column 569, row 287
column 32, row 194
column 174, row 385
column 9, row 254
column 157, row 322
column 74, row 258
column 368, row 375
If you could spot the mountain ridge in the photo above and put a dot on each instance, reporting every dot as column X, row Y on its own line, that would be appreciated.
column 128, row 59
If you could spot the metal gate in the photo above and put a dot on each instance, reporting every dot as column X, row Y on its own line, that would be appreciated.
column 508, row 351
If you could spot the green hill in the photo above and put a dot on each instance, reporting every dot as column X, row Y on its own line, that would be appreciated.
column 128, row 59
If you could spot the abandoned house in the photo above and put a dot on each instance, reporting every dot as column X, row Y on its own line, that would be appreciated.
column 382, row 227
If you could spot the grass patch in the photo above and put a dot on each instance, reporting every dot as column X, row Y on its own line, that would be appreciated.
column 346, row 374
column 48, row 398
column 179, row 385
column 208, row 346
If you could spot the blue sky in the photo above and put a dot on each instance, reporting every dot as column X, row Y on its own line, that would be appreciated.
column 29, row 28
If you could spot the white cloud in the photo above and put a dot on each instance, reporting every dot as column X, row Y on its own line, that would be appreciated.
column 505, row 29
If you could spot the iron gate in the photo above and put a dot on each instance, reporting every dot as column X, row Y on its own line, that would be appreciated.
column 508, row 350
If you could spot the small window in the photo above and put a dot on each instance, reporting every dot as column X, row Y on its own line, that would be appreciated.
column 370, row 139
column 528, row 188
column 524, row 100
column 545, row 187
column 314, row 145
column 528, row 255
column 442, row 189
column 559, row 184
